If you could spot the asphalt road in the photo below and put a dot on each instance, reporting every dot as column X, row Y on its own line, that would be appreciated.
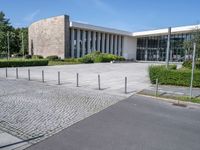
column 138, row 123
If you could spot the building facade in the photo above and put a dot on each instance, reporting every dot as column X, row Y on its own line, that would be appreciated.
column 67, row 39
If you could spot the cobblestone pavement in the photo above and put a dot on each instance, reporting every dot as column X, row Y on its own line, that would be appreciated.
column 29, row 109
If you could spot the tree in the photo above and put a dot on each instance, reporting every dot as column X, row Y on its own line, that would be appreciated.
column 4, row 28
column 196, row 39
column 15, row 37
column 188, row 44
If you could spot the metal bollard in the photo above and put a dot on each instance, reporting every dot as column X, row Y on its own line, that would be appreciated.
column 43, row 76
column 77, row 80
column 156, row 88
column 29, row 75
column 125, row 85
column 99, row 82
column 58, row 77
column 6, row 72
column 17, row 73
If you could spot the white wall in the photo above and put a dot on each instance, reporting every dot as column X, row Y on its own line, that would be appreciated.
column 129, row 47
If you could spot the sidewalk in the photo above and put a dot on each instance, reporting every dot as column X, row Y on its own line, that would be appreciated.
column 6, row 139
column 165, row 90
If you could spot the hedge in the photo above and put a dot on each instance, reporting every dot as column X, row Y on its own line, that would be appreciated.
column 23, row 62
column 188, row 64
column 173, row 77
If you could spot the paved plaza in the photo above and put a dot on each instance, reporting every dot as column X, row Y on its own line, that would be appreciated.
column 112, row 76
column 33, row 108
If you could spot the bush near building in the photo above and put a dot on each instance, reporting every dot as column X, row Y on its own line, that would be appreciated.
column 23, row 62
column 37, row 57
column 52, row 57
column 171, row 76
column 188, row 64
column 96, row 57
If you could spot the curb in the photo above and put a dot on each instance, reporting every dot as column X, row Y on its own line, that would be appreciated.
column 169, row 100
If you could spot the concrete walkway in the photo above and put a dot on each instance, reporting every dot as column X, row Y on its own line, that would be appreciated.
column 138, row 123
column 7, row 139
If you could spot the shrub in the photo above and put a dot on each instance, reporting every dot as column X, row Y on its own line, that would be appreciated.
column 188, row 64
column 37, row 57
column 100, row 57
column 173, row 77
column 71, row 60
column 86, row 59
column 28, row 56
column 53, row 57
column 23, row 62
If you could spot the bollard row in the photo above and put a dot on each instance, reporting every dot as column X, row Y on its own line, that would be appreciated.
column 77, row 79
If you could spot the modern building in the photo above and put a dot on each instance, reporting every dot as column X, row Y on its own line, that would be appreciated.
column 64, row 38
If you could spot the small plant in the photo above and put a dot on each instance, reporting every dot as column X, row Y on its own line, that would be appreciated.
column 53, row 57
column 37, row 57
column 188, row 64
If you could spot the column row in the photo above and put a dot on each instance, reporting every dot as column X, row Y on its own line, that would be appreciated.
column 84, row 42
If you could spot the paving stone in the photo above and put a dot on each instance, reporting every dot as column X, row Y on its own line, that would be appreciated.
column 29, row 109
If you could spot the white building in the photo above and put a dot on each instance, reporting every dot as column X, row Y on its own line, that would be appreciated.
column 65, row 38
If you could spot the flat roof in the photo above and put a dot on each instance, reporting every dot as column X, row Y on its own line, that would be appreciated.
column 98, row 28
column 174, row 30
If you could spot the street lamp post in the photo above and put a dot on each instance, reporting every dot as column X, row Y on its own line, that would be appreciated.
column 8, row 42
column 168, row 47
column 23, row 45
column 193, row 66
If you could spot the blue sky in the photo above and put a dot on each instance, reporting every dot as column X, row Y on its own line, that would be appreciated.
column 130, row 15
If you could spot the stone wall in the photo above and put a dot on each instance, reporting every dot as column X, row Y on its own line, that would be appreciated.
column 50, row 37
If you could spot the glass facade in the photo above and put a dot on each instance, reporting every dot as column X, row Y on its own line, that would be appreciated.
column 153, row 48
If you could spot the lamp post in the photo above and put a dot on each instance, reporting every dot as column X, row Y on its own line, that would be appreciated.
column 8, row 42
column 23, row 45
column 168, row 47
column 193, row 66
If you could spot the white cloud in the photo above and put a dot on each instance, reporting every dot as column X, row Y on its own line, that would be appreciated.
column 30, row 17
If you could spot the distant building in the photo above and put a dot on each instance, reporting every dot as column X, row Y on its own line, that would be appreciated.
column 67, row 39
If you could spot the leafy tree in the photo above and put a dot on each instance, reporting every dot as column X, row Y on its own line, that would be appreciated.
column 5, row 27
column 15, row 37
column 188, row 44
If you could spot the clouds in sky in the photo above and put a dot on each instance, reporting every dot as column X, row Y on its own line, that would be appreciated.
column 30, row 17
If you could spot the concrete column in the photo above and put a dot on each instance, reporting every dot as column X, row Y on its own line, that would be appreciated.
column 78, row 44
column 94, row 41
column 103, row 43
column 122, row 46
column 72, row 42
column 111, row 44
column 157, row 54
column 115, row 46
column 83, row 43
column 89, row 42
column 98, row 41
column 157, row 51
column 119, row 45
column 107, row 43
column 146, row 50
